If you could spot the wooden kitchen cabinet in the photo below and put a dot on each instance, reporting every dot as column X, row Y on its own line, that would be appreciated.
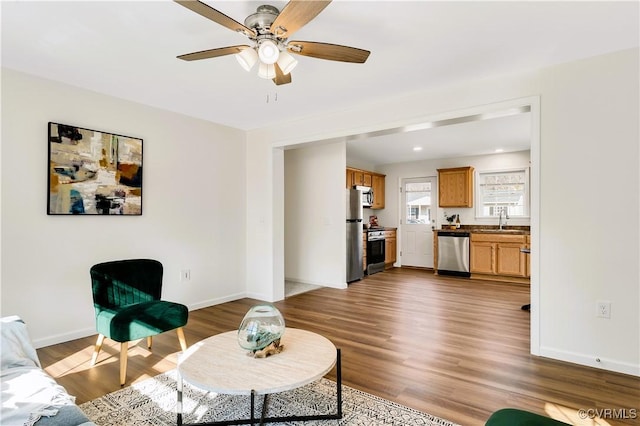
column 498, row 255
column 349, row 178
column 510, row 261
column 455, row 187
column 377, row 184
column 528, row 256
column 483, row 259
column 390, row 250
column 366, row 179
column 358, row 177
column 364, row 251
column 371, row 179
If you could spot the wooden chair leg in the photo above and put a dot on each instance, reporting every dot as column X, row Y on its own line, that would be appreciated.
column 183, row 341
column 124, row 348
column 149, row 341
column 96, row 351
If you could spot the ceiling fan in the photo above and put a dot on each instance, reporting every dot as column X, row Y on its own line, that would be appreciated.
column 269, row 30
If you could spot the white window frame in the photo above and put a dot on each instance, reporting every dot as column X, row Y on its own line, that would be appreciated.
column 527, row 192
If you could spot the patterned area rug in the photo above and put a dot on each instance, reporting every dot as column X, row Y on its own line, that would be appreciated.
column 153, row 402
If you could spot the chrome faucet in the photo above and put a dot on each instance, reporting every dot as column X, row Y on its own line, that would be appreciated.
column 506, row 216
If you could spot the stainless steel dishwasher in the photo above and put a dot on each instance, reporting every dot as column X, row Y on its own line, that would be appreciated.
column 453, row 253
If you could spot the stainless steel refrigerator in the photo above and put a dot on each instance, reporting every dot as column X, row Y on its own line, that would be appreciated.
column 354, row 235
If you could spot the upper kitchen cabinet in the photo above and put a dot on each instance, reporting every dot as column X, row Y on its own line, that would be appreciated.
column 358, row 177
column 455, row 187
column 349, row 178
column 377, row 184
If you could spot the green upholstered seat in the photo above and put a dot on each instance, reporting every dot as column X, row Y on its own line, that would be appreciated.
column 132, row 322
column 126, row 298
column 515, row 417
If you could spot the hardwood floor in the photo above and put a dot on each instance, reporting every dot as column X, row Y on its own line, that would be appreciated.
column 454, row 348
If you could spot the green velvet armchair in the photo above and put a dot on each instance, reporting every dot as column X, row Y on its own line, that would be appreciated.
column 516, row 417
column 126, row 297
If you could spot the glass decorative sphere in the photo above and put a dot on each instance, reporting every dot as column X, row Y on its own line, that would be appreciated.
column 261, row 326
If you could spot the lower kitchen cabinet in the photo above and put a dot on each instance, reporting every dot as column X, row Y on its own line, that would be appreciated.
column 498, row 255
column 364, row 251
column 528, row 256
column 510, row 261
column 483, row 260
column 390, row 250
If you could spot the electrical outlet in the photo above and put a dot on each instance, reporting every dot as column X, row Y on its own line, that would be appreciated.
column 185, row 275
column 603, row 309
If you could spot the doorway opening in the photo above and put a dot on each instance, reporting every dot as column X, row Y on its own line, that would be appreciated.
column 514, row 106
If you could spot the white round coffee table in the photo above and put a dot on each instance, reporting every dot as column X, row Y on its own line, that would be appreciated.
column 219, row 364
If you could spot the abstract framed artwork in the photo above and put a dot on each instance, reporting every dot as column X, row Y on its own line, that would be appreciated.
column 93, row 172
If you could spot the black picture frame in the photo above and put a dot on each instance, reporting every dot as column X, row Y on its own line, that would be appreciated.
column 93, row 172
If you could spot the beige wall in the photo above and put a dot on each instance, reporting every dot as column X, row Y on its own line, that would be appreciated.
column 588, row 137
column 590, row 183
column 230, row 231
column 314, row 184
column 193, row 208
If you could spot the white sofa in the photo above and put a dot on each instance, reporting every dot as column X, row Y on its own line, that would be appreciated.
column 29, row 395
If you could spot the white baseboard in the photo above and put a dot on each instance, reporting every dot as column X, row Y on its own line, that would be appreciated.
column 217, row 301
column 81, row 333
column 258, row 296
column 63, row 337
column 342, row 285
column 592, row 361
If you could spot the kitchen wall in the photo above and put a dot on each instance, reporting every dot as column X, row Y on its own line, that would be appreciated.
column 588, row 149
column 314, row 182
column 194, row 203
column 314, row 179
column 390, row 215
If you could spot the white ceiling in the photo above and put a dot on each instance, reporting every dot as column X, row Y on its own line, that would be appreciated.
column 475, row 137
column 128, row 49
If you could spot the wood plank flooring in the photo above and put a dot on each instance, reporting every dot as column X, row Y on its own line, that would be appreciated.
column 454, row 348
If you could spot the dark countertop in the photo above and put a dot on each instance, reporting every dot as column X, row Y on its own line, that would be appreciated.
column 381, row 228
column 489, row 229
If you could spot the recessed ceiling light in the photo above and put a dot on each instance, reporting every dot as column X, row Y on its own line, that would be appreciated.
column 498, row 150
column 417, row 148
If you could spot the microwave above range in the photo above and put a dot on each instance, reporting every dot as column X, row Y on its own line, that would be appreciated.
column 367, row 195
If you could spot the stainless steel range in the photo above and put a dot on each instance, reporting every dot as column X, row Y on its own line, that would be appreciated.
column 375, row 251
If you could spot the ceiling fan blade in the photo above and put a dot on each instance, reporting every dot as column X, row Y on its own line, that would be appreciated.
column 331, row 52
column 213, row 53
column 280, row 77
column 216, row 16
column 295, row 15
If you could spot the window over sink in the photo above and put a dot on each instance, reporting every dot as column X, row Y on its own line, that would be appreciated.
column 502, row 191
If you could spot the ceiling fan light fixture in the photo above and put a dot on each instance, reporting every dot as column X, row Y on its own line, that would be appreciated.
column 247, row 58
column 267, row 71
column 268, row 31
column 268, row 52
column 286, row 62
